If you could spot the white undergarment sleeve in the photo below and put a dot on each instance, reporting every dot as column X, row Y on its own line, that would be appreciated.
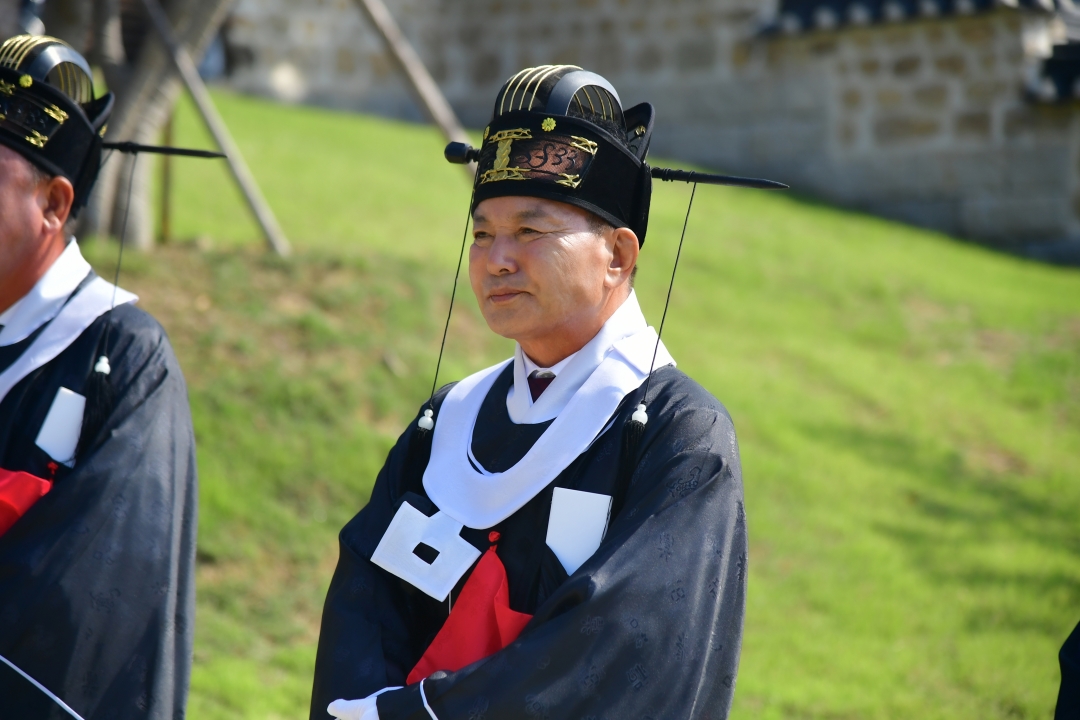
column 365, row 709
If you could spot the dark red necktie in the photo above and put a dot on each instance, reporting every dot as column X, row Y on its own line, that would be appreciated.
column 539, row 381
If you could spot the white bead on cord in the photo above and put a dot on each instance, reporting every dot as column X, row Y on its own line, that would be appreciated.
column 102, row 366
column 640, row 415
column 426, row 423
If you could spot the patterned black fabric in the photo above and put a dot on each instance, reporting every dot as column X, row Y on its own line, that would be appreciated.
column 650, row 626
column 97, row 594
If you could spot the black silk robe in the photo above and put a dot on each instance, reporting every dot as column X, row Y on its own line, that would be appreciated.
column 97, row 578
column 649, row 627
column 1068, row 704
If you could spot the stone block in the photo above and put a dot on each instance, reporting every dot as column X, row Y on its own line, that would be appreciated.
column 907, row 66
column 932, row 96
column 823, row 47
column 486, row 68
column 899, row 129
column 895, row 36
column 889, row 98
column 649, row 59
column 1012, row 219
column 984, row 93
column 950, row 64
column 740, row 55
column 345, row 62
column 847, row 134
column 1037, row 122
column 977, row 32
column 697, row 54
column 870, row 66
column 973, row 125
column 851, row 98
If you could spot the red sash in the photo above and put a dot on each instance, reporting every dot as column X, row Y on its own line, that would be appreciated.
column 18, row 492
column 480, row 624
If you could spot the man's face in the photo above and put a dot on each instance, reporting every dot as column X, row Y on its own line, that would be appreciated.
column 538, row 267
column 21, row 212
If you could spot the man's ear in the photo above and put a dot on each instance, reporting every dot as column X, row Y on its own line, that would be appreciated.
column 624, row 255
column 56, row 196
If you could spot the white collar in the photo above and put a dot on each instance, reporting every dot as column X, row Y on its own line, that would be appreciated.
column 45, row 299
column 479, row 499
column 572, row 372
column 531, row 367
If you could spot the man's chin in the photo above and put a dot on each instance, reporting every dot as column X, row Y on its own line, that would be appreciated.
column 510, row 324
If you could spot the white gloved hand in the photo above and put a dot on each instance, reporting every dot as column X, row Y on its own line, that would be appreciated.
column 364, row 709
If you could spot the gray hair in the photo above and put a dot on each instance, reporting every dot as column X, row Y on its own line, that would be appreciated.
column 37, row 175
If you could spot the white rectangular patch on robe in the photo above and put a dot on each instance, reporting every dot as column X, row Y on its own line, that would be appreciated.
column 440, row 532
column 59, row 434
column 576, row 525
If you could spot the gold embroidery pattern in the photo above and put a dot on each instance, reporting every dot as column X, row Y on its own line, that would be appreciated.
column 56, row 113
column 514, row 134
column 639, row 130
column 7, row 88
column 548, row 125
column 501, row 170
column 570, row 181
column 30, row 118
column 26, row 81
column 584, row 144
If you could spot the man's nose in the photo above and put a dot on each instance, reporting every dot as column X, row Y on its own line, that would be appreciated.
column 501, row 259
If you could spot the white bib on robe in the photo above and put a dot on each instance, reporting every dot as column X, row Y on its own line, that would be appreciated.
column 480, row 500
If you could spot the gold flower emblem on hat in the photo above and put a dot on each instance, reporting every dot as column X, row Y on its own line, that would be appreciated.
column 548, row 125
column 26, row 81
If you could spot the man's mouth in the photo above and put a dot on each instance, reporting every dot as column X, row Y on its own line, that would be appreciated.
column 504, row 296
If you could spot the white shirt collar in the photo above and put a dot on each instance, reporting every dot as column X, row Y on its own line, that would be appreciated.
column 45, row 299
column 572, row 372
column 531, row 367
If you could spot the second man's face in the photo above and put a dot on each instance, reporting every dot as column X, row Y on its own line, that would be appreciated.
column 537, row 267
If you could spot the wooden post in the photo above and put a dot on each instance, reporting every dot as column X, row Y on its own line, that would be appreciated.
column 166, row 184
column 420, row 80
column 190, row 75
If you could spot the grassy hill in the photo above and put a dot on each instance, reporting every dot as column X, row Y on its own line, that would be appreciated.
column 908, row 409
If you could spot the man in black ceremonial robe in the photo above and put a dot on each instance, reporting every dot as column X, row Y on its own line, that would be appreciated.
column 97, row 464
column 558, row 536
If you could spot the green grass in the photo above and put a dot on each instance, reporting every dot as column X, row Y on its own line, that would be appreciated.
column 908, row 409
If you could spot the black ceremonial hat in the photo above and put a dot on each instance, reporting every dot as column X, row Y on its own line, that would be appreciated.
column 560, row 133
column 48, row 113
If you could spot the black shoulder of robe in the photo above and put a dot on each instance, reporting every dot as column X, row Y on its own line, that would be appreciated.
column 97, row 578
column 649, row 627
column 1068, row 704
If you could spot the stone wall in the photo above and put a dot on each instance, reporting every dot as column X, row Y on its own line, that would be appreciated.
column 930, row 121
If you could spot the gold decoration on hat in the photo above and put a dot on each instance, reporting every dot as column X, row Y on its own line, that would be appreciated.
column 26, row 81
column 56, row 113
column 548, row 125
column 501, row 170
column 584, row 144
column 570, row 181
